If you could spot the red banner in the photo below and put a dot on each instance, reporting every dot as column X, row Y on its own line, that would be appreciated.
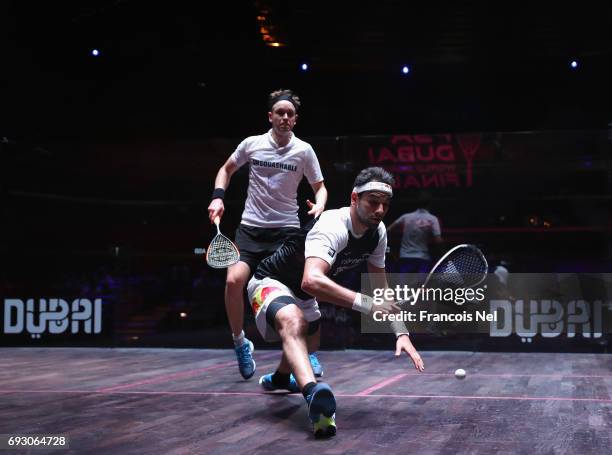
column 428, row 161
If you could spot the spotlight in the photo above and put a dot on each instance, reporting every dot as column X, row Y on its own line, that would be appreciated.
column 405, row 69
column 304, row 66
column 95, row 52
column 574, row 64
column 183, row 315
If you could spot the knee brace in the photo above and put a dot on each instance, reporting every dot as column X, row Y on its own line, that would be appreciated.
column 275, row 305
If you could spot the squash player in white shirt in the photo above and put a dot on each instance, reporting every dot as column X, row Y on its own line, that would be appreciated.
column 277, row 162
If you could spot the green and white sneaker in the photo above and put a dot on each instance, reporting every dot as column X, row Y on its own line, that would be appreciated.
column 322, row 411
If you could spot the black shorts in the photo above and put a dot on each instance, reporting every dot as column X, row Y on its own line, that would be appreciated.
column 257, row 243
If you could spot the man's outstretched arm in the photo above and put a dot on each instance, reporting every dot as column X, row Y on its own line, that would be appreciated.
column 316, row 283
column 378, row 278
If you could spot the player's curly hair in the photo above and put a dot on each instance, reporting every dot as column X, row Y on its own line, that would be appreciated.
column 374, row 174
column 281, row 94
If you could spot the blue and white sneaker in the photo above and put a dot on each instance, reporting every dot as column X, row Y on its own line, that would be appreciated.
column 246, row 364
column 322, row 411
column 266, row 383
column 317, row 368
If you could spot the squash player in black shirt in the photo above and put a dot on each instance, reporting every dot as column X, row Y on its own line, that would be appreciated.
column 286, row 285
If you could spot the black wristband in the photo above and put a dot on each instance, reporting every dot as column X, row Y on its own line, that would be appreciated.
column 218, row 193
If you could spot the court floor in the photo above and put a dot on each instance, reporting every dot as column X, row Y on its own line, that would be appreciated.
column 190, row 401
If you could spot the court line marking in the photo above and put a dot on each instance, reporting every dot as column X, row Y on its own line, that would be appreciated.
column 172, row 376
column 519, row 375
column 382, row 384
column 396, row 378
column 341, row 395
column 473, row 397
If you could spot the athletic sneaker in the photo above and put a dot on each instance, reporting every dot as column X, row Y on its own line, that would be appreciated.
column 317, row 368
column 267, row 384
column 246, row 364
column 322, row 411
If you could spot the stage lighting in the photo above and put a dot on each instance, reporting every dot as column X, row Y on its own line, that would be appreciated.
column 304, row 66
column 405, row 69
column 574, row 64
column 95, row 52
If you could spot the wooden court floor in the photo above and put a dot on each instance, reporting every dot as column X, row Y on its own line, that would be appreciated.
column 190, row 401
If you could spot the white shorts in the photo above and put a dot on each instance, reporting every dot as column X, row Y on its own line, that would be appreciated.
column 262, row 292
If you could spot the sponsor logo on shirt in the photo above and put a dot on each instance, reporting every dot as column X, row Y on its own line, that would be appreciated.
column 331, row 252
column 348, row 263
column 286, row 167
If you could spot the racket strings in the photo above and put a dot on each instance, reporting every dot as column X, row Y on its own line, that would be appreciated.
column 222, row 252
column 470, row 262
column 464, row 268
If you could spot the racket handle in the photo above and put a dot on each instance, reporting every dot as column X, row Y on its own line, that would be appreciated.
column 217, row 220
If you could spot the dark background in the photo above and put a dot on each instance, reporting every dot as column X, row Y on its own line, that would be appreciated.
column 193, row 69
column 107, row 162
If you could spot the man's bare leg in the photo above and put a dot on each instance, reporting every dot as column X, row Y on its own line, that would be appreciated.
column 292, row 328
column 314, row 341
column 237, row 276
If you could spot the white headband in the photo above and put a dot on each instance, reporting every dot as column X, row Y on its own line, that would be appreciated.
column 374, row 186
